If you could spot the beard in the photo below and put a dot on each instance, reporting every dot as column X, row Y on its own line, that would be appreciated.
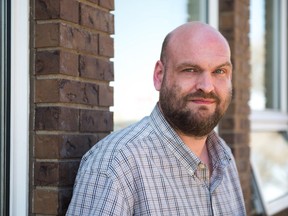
column 198, row 122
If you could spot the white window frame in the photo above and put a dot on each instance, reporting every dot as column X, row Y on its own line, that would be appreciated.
column 272, row 120
column 209, row 12
column 213, row 13
column 19, row 156
column 268, row 120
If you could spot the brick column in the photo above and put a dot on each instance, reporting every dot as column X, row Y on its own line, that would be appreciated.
column 235, row 126
column 71, row 47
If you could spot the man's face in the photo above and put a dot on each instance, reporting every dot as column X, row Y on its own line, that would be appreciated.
column 196, row 88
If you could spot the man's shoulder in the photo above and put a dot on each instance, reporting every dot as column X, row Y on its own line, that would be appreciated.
column 102, row 154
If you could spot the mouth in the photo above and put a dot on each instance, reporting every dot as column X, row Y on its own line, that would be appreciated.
column 201, row 98
column 203, row 101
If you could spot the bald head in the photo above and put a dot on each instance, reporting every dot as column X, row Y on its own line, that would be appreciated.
column 194, row 78
column 194, row 33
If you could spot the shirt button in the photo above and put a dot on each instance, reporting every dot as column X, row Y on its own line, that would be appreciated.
column 202, row 166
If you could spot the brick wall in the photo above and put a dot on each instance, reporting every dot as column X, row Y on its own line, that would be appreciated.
column 71, row 47
column 235, row 126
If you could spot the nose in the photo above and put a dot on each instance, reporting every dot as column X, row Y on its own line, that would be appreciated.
column 205, row 82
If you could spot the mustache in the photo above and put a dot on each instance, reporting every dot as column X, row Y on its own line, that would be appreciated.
column 201, row 94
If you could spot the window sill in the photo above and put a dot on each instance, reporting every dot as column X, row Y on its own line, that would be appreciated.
column 268, row 120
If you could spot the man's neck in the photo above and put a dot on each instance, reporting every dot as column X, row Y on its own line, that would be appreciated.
column 198, row 146
column 195, row 144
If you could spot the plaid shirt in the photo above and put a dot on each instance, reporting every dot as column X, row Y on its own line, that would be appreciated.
column 146, row 169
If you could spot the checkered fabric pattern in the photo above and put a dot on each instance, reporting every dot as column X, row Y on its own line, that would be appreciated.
column 146, row 169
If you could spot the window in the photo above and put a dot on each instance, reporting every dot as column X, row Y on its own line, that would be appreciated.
column 204, row 11
column 140, row 28
column 269, row 118
column 4, row 107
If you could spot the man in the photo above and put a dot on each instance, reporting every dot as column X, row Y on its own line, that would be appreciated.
column 170, row 163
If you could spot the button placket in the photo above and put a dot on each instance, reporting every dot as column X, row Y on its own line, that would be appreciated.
column 203, row 174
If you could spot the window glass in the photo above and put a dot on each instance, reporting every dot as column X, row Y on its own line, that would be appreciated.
column 257, row 42
column 198, row 10
column 265, row 40
column 271, row 163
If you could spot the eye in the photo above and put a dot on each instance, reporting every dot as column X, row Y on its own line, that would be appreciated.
column 190, row 70
column 219, row 71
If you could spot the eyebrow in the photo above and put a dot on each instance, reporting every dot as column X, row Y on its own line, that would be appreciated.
column 186, row 64
column 226, row 64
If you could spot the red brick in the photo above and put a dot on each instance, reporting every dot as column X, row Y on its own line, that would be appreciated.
column 55, row 173
column 96, row 121
column 56, row 61
column 66, row 91
column 241, row 151
column 94, row 68
column 235, row 138
column 57, row 9
column 67, row 36
column 46, row 91
column 228, row 124
column 235, row 123
column 46, row 173
column 226, row 20
column 78, row 92
column 97, row 19
column 106, row 46
column 64, row 197
column 64, row 146
column 69, row 10
column 109, row 4
column 94, row 1
column 47, row 35
column 56, row 118
column 45, row 201
column 47, row 62
column 47, row 146
column 226, row 5
column 243, row 165
column 67, row 173
column 69, row 63
column 105, row 95
column 51, row 201
column 79, row 39
column 47, row 9
column 72, row 37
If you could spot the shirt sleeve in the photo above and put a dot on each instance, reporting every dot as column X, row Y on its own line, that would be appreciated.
column 95, row 193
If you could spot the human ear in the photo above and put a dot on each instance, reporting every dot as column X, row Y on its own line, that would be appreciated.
column 158, row 75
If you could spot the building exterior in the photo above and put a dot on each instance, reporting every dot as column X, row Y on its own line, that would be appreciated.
column 56, row 97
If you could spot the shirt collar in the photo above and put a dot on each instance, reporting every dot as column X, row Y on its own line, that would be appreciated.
column 218, row 151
